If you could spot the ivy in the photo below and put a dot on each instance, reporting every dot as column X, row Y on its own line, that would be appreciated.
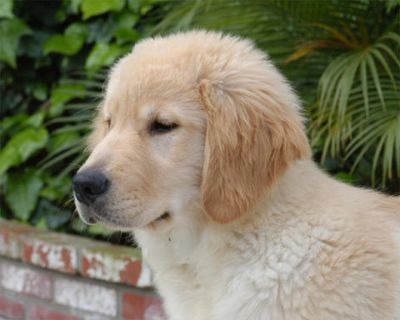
column 22, row 192
column 6, row 8
column 52, row 58
column 70, row 42
column 102, row 54
column 20, row 147
column 92, row 8
column 11, row 31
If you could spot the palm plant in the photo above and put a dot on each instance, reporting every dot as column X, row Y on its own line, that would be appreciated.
column 341, row 56
column 83, row 96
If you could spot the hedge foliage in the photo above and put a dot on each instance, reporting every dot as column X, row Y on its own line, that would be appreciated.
column 52, row 57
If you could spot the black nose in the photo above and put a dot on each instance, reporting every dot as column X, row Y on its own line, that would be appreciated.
column 89, row 185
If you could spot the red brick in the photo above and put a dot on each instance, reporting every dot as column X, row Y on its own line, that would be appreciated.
column 130, row 274
column 141, row 307
column 51, row 250
column 11, row 309
column 10, row 238
column 21, row 279
column 111, row 263
column 62, row 253
column 41, row 312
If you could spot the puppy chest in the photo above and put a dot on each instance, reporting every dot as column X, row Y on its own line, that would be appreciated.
column 268, row 272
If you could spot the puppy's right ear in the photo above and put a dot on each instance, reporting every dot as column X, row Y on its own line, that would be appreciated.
column 251, row 139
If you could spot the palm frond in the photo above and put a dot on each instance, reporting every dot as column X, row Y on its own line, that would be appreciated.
column 76, row 119
column 341, row 56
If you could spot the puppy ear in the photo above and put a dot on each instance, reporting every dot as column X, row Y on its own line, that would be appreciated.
column 250, row 141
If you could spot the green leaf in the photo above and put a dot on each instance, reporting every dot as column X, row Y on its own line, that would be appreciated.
column 54, row 217
column 375, row 76
column 364, row 84
column 29, row 141
column 9, row 122
column 34, row 120
column 21, row 147
column 6, row 7
column 65, row 44
column 41, row 224
column 125, row 19
column 11, row 30
column 63, row 93
column 74, row 5
column 92, row 8
column 39, row 91
column 78, row 225
column 101, row 30
column 125, row 34
column 134, row 5
column 62, row 140
column 22, row 192
column 56, row 188
column 77, row 29
column 73, row 150
column 70, row 42
column 391, row 4
column 98, row 229
column 346, row 177
column 123, row 29
column 8, row 158
column 102, row 54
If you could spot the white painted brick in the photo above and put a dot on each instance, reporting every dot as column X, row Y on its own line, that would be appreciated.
column 22, row 279
column 146, row 276
column 107, row 268
column 95, row 317
column 13, row 277
column 9, row 248
column 85, row 296
column 54, row 255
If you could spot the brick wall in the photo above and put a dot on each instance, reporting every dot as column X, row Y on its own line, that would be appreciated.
column 50, row 276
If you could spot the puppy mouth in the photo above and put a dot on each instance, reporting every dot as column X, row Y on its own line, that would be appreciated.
column 163, row 218
column 96, row 214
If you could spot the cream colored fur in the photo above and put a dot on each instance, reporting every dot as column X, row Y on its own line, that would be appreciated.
column 256, row 230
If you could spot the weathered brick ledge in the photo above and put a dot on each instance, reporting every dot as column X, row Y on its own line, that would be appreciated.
column 46, row 275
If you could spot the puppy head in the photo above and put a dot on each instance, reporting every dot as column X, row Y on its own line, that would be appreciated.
column 193, row 120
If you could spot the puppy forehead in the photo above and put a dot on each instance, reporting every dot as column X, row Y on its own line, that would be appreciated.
column 172, row 110
column 149, row 90
column 140, row 72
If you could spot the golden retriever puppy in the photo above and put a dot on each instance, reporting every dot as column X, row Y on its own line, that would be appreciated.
column 200, row 150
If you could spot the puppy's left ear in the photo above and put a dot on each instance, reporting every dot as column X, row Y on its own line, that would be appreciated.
column 251, row 138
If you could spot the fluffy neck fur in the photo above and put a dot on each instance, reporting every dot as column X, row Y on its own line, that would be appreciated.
column 269, row 255
column 179, row 241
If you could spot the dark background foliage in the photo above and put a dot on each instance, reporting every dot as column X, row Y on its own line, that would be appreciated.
column 341, row 56
column 52, row 58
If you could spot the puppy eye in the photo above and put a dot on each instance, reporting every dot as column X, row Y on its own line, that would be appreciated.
column 158, row 127
column 108, row 123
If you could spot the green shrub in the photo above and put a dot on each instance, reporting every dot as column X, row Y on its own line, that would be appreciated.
column 52, row 60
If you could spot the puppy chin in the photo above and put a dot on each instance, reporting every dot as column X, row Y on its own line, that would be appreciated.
column 97, row 214
column 151, row 220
